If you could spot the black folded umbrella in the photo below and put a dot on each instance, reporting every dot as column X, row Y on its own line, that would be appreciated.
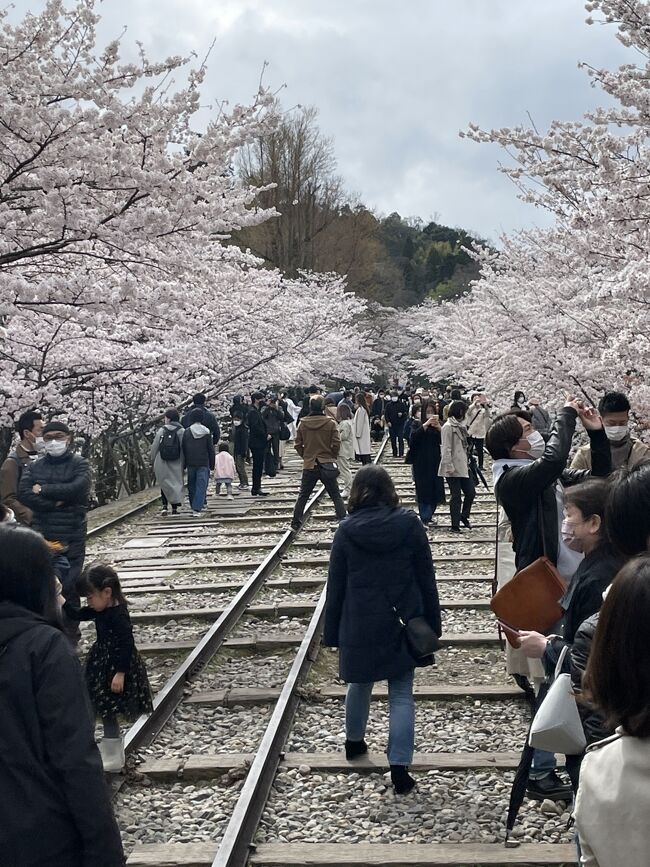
column 518, row 790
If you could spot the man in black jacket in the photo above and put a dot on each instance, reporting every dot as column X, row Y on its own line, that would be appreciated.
column 258, row 441
column 56, row 489
column 529, row 476
column 396, row 413
column 207, row 418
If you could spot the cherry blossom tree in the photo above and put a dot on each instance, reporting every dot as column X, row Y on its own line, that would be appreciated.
column 567, row 308
column 119, row 290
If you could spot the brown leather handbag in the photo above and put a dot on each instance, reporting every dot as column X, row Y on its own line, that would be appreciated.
column 530, row 600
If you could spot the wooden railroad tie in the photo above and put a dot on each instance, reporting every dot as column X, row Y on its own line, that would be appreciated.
column 363, row 855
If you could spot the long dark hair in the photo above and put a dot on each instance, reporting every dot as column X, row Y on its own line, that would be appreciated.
column 99, row 576
column 372, row 486
column 617, row 679
column 27, row 571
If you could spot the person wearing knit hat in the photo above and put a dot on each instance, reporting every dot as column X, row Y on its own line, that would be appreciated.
column 56, row 489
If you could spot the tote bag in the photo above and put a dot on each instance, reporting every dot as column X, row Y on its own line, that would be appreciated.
column 557, row 726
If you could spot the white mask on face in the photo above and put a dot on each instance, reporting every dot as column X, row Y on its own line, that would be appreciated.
column 237, row 423
column 393, row 397
column 537, row 445
column 56, row 448
column 39, row 445
column 616, row 432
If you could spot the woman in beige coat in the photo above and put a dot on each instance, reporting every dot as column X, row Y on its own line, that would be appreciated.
column 454, row 465
column 361, row 425
column 346, row 455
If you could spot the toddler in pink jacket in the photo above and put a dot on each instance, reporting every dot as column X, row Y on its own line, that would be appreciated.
column 224, row 470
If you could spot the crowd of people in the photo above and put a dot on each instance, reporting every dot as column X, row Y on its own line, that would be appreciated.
column 582, row 506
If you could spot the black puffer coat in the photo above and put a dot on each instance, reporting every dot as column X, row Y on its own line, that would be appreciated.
column 257, row 432
column 380, row 557
column 593, row 722
column 54, row 804
column 65, row 480
column 521, row 489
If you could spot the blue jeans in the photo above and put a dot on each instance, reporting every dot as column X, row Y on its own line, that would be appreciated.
column 197, row 486
column 543, row 764
column 401, row 709
column 426, row 511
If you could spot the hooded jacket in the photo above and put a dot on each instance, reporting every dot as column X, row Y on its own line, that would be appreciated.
column 380, row 558
column 208, row 419
column 59, row 511
column 54, row 803
column 317, row 440
column 198, row 448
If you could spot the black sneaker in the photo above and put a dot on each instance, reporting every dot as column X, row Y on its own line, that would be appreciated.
column 550, row 787
column 455, row 530
column 465, row 522
column 259, row 493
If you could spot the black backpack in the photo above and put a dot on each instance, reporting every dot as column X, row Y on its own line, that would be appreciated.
column 170, row 446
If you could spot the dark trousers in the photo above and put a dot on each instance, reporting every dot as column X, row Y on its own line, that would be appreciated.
column 457, row 485
column 68, row 569
column 165, row 502
column 240, row 466
column 197, row 486
column 310, row 479
column 397, row 439
column 478, row 443
column 363, row 459
column 258, row 453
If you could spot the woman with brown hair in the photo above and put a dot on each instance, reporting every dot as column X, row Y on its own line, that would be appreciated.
column 613, row 800
column 380, row 576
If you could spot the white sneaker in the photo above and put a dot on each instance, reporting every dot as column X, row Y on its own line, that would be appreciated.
column 230, row 496
column 222, row 493
column 196, row 514
column 112, row 753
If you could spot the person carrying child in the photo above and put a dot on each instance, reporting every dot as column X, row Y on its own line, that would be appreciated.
column 116, row 676
column 224, row 470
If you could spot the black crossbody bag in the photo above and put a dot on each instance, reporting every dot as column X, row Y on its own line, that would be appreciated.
column 421, row 641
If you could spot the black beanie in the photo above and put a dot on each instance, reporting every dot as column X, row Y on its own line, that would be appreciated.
column 56, row 426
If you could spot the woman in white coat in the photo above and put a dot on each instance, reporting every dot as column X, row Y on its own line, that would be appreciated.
column 361, row 426
column 346, row 454
column 167, row 459
column 613, row 800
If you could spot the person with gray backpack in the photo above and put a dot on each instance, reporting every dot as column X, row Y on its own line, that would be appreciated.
column 167, row 459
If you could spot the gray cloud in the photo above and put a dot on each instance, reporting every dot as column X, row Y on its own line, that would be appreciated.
column 396, row 82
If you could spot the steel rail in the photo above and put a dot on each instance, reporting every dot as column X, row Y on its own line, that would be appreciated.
column 145, row 729
column 238, row 837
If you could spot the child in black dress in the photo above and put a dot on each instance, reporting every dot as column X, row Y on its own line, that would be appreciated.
column 116, row 676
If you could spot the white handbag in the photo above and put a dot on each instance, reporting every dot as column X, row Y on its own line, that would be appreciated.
column 557, row 726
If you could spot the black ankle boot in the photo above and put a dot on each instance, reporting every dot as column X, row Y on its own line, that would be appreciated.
column 353, row 749
column 401, row 779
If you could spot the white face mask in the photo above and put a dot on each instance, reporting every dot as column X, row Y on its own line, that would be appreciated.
column 393, row 397
column 616, row 432
column 537, row 445
column 237, row 423
column 56, row 448
column 39, row 445
column 521, row 401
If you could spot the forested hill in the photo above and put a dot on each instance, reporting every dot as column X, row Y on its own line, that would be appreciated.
column 396, row 261
column 428, row 261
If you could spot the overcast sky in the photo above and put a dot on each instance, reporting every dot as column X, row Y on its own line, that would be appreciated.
column 394, row 83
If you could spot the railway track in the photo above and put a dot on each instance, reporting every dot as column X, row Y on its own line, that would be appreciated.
column 241, row 762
